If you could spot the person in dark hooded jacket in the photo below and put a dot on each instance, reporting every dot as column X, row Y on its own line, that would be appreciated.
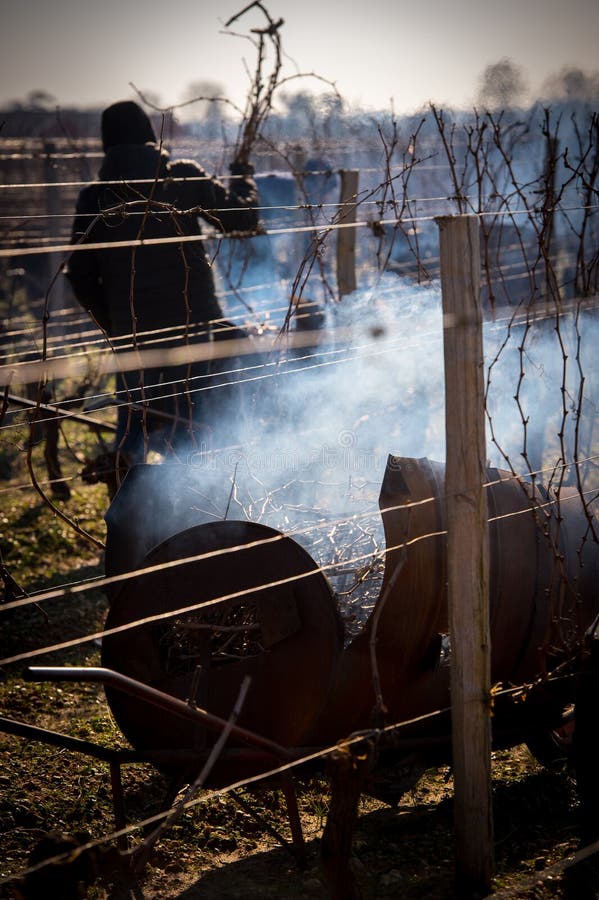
column 160, row 295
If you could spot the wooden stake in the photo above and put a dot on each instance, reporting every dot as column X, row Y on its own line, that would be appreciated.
column 350, row 765
column 346, row 237
column 53, row 209
column 467, row 552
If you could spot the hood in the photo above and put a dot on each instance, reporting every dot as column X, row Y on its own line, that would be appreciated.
column 126, row 122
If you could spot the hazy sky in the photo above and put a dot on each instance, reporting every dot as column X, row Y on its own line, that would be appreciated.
column 85, row 52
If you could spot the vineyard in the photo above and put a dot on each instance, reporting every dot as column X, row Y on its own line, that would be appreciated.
column 281, row 573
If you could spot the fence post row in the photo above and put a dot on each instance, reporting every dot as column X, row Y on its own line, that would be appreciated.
column 467, row 551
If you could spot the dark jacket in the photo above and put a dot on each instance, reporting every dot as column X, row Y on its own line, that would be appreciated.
column 161, row 285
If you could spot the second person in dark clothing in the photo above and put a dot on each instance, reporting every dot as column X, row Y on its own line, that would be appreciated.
column 156, row 296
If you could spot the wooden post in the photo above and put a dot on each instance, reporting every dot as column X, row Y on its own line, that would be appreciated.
column 346, row 237
column 467, row 552
column 350, row 765
column 53, row 210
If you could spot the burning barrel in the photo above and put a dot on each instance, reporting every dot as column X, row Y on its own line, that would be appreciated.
column 279, row 621
column 543, row 594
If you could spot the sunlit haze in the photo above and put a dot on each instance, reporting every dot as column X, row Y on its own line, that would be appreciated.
column 87, row 53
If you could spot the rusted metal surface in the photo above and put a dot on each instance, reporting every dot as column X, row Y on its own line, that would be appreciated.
column 411, row 616
column 158, row 699
column 542, row 591
column 308, row 689
column 287, row 637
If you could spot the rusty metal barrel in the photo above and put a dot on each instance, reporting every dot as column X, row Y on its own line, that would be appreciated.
column 211, row 603
column 543, row 593
column 279, row 621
